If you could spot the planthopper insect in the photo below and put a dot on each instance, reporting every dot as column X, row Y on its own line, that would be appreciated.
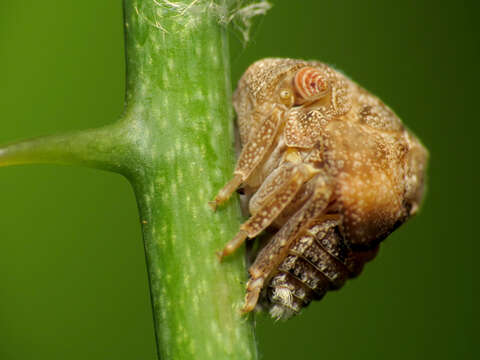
column 327, row 169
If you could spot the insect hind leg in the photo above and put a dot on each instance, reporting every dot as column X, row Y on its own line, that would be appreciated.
column 277, row 248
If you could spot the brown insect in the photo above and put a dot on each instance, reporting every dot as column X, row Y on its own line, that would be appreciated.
column 327, row 169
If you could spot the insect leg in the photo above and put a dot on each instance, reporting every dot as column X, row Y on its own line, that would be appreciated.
column 251, row 155
column 275, row 251
column 273, row 196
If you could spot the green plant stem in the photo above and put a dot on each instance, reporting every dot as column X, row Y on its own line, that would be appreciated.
column 178, row 85
column 175, row 144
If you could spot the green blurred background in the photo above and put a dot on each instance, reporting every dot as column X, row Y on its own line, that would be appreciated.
column 72, row 275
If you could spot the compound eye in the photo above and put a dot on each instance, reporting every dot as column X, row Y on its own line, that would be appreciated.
column 286, row 96
column 310, row 83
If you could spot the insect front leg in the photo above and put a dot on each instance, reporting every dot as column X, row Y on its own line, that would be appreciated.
column 275, row 251
column 252, row 154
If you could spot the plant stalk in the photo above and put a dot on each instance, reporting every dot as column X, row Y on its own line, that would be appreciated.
column 178, row 86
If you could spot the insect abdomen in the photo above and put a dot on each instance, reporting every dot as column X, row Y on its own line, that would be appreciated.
column 317, row 262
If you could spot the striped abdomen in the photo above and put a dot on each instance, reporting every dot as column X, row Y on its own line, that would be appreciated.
column 317, row 262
